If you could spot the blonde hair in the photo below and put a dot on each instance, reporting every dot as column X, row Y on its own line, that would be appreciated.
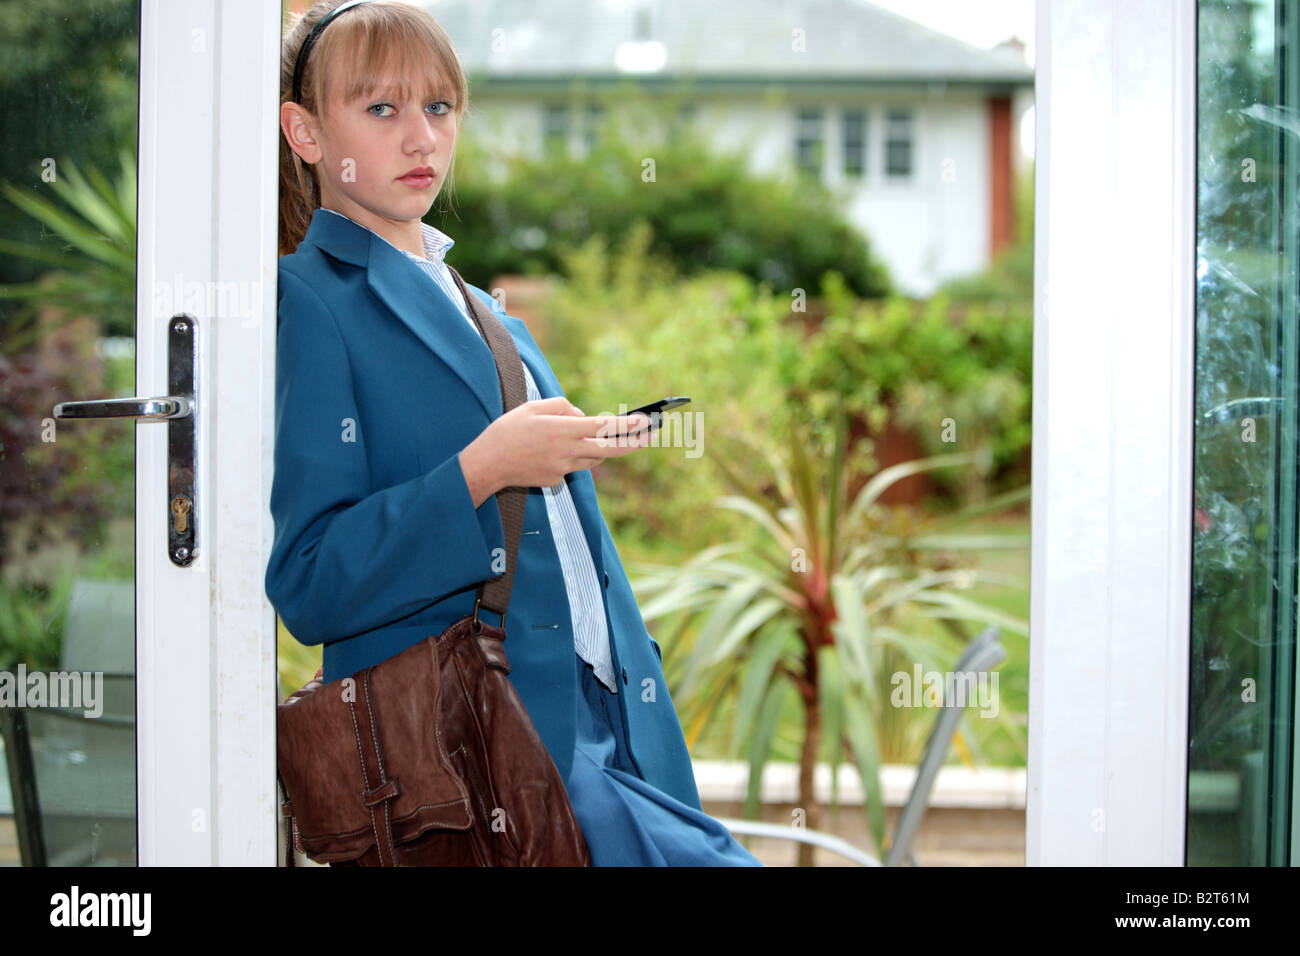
column 352, row 55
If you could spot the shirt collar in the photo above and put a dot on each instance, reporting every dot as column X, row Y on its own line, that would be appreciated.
column 436, row 242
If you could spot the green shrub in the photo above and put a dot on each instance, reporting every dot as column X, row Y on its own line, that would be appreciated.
column 705, row 209
column 623, row 328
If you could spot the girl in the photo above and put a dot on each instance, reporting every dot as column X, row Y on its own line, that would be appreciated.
column 391, row 443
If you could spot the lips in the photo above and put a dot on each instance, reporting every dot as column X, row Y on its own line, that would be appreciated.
column 419, row 177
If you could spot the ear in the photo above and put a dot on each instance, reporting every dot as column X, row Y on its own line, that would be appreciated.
column 299, row 129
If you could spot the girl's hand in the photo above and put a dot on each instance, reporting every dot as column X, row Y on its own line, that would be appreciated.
column 537, row 443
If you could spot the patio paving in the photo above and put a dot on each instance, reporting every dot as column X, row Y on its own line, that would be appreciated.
column 948, row 836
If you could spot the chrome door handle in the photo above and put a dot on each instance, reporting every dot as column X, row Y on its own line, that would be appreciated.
column 180, row 410
column 151, row 409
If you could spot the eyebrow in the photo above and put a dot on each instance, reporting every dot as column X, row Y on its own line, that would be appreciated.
column 394, row 90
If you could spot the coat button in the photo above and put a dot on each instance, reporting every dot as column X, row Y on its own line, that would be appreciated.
column 624, row 675
column 606, row 579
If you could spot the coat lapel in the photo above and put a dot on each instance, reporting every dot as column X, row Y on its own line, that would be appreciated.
column 418, row 303
column 407, row 294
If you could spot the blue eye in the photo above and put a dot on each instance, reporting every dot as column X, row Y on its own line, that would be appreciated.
column 446, row 108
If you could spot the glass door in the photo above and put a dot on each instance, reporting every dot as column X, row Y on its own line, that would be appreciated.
column 1242, row 690
column 68, row 146
column 137, row 357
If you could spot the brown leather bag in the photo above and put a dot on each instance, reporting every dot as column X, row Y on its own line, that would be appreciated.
column 429, row 758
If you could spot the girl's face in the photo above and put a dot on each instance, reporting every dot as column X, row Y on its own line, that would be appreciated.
column 383, row 160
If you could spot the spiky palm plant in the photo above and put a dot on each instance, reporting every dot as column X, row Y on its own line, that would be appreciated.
column 92, row 262
column 813, row 605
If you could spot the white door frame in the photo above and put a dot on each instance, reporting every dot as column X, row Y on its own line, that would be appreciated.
column 206, row 673
column 1114, row 306
column 1114, row 315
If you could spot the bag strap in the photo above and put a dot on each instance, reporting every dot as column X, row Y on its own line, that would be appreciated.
column 381, row 789
column 286, row 810
column 495, row 594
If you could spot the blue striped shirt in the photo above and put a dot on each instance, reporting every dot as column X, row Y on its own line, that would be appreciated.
column 586, row 603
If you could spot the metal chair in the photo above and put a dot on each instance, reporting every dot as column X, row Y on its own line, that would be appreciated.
column 72, row 778
column 982, row 654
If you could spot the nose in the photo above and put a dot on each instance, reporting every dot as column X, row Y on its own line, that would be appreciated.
column 421, row 136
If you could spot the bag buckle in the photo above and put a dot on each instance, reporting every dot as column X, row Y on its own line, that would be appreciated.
column 387, row 791
column 476, row 624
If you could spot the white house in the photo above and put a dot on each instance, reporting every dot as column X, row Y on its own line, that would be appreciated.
column 915, row 130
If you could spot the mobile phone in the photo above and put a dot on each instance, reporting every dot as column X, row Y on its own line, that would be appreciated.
column 655, row 409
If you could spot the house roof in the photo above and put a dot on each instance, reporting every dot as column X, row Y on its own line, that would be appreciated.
column 845, row 40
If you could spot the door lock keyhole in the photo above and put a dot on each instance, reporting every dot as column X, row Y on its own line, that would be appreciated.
column 180, row 512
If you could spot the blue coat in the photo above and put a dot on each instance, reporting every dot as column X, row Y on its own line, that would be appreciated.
column 380, row 383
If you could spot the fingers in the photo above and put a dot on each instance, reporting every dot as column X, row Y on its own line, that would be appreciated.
column 612, row 426
column 608, row 427
column 556, row 405
column 596, row 453
column 597, row 426
column 597, row 450
column 612, row 445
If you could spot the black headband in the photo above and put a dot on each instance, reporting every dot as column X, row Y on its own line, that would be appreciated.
column 305, row 50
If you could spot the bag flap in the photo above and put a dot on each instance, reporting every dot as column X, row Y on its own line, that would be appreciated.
column 321, row 730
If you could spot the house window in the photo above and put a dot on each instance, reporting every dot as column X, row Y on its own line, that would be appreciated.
column 898, row 143
column 685, row 120
column 809, row 142
column 591, row 126
column 854, row 141
column 555, row 128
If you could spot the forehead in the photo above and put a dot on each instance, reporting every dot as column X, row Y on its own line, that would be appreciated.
column 400, row 75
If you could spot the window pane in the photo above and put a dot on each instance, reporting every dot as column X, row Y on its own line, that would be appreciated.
column 809, row 142
column 898, row 143
column 594, row 116
column 555, row 128
column 854, row 139
column 1242, row 667
column 68, row 144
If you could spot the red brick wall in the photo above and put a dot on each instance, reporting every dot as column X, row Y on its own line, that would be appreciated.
column 1001, row 212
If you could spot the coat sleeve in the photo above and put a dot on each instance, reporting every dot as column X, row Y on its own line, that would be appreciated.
column 348, row 558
